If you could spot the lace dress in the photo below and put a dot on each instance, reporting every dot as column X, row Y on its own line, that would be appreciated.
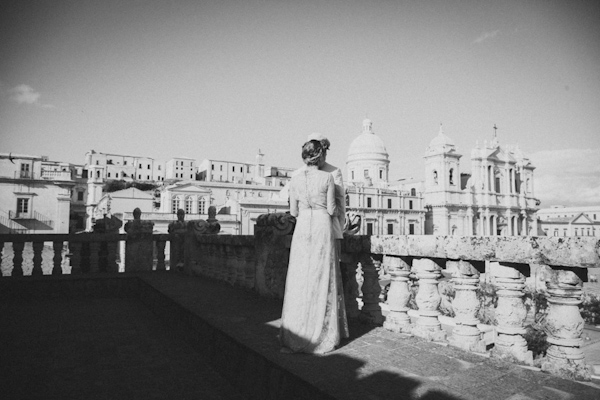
column 313, row 318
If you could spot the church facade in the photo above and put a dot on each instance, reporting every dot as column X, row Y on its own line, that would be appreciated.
column 495, row 199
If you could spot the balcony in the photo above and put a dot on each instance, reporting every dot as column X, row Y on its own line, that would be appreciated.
column 140, row 332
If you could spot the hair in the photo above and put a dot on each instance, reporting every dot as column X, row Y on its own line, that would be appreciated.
column 312, row 152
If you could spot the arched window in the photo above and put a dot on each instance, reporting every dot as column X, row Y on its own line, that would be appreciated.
column 413, row 192
column 451, row 176
column 202, row 205
column 188, row 205
column 174, row 204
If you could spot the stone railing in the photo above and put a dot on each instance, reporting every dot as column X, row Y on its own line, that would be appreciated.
column 415, row 265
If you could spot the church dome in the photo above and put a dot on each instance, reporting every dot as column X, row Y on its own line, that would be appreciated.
column 367, row 145
column 441, row 140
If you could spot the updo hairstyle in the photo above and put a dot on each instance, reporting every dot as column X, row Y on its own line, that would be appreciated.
column 312, row 152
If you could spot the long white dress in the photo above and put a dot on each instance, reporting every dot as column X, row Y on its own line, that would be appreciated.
column 313, row 319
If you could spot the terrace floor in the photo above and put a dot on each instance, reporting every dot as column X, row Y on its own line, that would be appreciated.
column 169, row 336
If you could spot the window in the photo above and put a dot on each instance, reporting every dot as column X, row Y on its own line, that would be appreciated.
column 352, row 174
column 368, row 202
column 174, row 204
column 564, row 232
column 79, row 196
column 435, row 177
column 390, row 229
column 108, row 174
column 576, row 232
column 233, row 169
column 220, row 168
column 411, row 229
column 159, row 168
column 212, row 166
column 201, row 205
column 410, row 204
column 380, row 174
column 366, row 173
column 413, row 192
column 22, row 206
column 25, row 171
column 140, row 166
column 451, row 176
column 188, row 205
column 125, row 162
column 148, row 177
column 148, row 166
column 369, row 228
column 389, row 203
column 139, row 176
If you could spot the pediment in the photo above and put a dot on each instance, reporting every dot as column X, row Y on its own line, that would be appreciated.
column 582, row 219
column 187, row 188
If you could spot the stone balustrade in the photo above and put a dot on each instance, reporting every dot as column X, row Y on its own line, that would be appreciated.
column 414, row 265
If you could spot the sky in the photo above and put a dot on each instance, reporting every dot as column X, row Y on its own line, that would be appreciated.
column 222, row 79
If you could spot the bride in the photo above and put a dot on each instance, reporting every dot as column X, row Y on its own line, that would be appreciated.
column 313, row 319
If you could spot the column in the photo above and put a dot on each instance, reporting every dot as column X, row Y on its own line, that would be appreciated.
column 371, row 290
column 510, row 312
column 564, row 324
column 428, row 300
column 466, row 305
column 397, row 319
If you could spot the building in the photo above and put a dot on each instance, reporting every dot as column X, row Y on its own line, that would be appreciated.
column 35, row 194
column 570, row 221
column 125, row 167
column 181, row 168
column 211, row 170
column 386, row 209
column 496, row 198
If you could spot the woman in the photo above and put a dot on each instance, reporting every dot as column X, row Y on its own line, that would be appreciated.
column 313, row 319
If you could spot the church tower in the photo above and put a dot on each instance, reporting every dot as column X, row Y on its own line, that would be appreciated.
column 443, row 187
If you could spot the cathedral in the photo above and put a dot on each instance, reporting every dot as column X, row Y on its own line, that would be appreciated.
column 496, row 198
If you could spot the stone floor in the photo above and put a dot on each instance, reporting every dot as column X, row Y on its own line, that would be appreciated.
column 98, row 349
column 188, row 337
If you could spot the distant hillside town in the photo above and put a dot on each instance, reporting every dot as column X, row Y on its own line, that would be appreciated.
column 495, row 198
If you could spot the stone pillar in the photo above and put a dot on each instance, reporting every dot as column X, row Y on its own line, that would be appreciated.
column 428, row 300
column 466, row 335
column 564, row 324
column 397, row 319
column 139, row 248
column 371, row 290
column 510, row 312
column 177, row 231
column 348, row 267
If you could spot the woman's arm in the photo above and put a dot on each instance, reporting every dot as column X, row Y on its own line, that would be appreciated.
column 293, row 200
column 331, row 206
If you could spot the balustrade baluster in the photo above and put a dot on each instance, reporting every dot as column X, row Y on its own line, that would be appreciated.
column 398, row 296
column 466, row 305
column 564, row 324
column 160, row 254
column 103, row 257
column 18, row 258
column 57, row 259
column 348, row 267
column 94, row 256
column 38, row 247
column 1, row 250
column 428, row 300
column 85, row 255
column 510, row 311
column 371, row 290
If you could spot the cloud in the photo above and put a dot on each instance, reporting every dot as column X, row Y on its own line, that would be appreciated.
column 25, row 94
column 486, row 35
column 569, row 177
